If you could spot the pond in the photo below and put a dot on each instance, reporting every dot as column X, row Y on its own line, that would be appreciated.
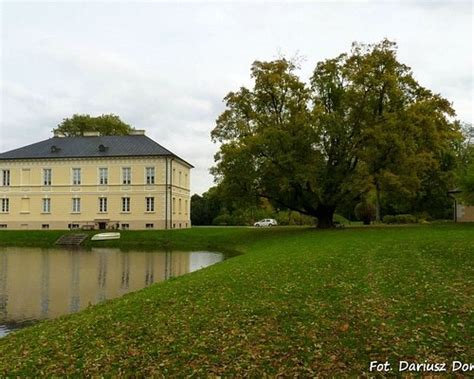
column 37, row 284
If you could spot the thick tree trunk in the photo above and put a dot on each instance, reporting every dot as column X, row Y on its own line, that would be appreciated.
column 325, row 215
column 378, row 217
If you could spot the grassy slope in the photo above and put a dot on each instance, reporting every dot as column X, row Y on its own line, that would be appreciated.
column 299, row 301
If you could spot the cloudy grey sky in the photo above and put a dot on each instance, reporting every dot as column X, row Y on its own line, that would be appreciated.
column 165, row 67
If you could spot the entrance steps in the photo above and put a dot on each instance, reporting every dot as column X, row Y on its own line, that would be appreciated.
column 71, row 239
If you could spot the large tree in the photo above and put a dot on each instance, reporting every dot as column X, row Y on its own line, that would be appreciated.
column 106, row 125
column 362, row 124
column 397, row 129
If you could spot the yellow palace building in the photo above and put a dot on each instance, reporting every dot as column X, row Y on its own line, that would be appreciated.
column 92, row 181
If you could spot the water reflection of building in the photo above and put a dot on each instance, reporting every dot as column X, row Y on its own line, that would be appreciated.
column 37, row 284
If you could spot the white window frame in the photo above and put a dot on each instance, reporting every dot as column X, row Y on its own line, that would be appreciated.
column 125, row 204
column 150, row 203
column 103, row 176
column 150, row 175
column 5, row 178
column 47, row 176
column 5, row 208
column 103, row 203
column 76, row 205
column 46, row 205
column 126, row 175
column 76, row 176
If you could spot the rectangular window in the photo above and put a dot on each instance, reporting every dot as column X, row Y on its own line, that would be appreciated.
column 125, row 204
column 102, row 204
column 174, row 205
column 103, row 176
column 5, row 205
column 73, row 226
column 150, row 226
column 45, row 226
column 76, row 176
column 46, row 176
column 150, row 204
column 185, row 207
column 76, row 205
column 3, row 226
column 186, row 180
column 125, row 226
column 126, row 175
column 46, row 205
column 150, row 175
column 180, row 179
column 179, row 206
column 5, row 178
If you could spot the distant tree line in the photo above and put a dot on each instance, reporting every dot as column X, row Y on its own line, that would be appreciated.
column 212, row 208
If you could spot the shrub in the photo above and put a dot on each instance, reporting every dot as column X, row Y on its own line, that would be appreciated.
column 365, row 212
column 388, row 219
column 222, row 220
column 293, row 218
column 341, row 219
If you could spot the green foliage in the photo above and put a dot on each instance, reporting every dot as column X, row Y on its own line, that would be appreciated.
column 215, row 208
column 400, row 219
column 365, row 212
column 106, row 125
column 205, row 208
column 467, row 184
column 223, row 220
column 340, row 219
column 296, row 303
column 293, row 218
column 362, row 124
column 466, row 172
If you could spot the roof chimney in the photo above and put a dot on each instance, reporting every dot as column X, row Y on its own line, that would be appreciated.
column 137, row 132
column 91, row 134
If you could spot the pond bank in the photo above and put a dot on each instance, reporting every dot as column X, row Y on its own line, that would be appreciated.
column 297, row 302
column 184, row 239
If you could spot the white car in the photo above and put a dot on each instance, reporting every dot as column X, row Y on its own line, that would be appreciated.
column 266, row 222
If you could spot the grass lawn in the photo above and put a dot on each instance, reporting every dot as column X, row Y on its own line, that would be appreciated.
column 297, row 302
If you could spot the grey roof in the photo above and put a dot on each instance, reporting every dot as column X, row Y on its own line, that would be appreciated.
column 90, row 147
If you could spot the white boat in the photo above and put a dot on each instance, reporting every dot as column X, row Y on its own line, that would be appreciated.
column 105, row 236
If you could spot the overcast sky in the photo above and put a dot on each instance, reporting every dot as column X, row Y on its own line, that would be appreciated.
column 165, row 67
